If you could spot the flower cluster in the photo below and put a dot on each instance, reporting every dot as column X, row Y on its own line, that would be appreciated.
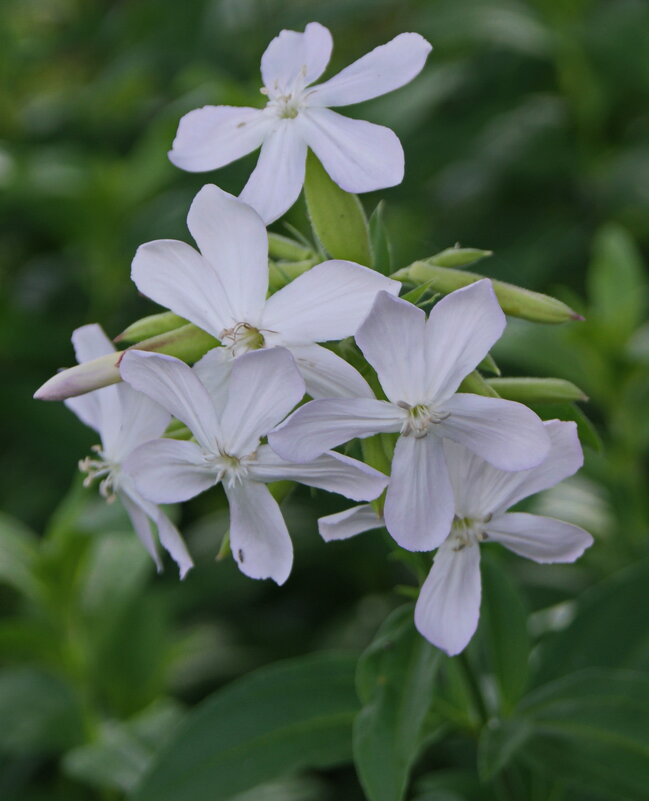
column 460, row 460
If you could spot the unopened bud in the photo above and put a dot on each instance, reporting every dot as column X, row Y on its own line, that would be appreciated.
column 537, row 390
column 150, row 326
column 458, row 257
column 285, row 249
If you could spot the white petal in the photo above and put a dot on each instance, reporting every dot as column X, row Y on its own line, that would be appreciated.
column 142, row 419
column 174, row 275
column 142, row 527
column 392, row 341
column 212, row 136
column 359, row 156
column 331, row 471
column 346, row 524
column 506, row 434
column 172, row 541
column 419, row 502
column 90, row 342
column 384, row 69
column 542, row 539
column 213, row 371
column 233, row 239
column 294, row 60
column 258, row 535
column 276, row 181
column 264, row 386
column 460, row 331
column 169, row 471
column 321, row 425
column 448, row 606
column 329, row 301
column 327, row 375
column 175, row 386
column 87, row 409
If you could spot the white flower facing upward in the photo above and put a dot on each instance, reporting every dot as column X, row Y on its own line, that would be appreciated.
column 359, row 156
column 124, row 420
column 420, row 365
column 229, row 408
column 223, row 290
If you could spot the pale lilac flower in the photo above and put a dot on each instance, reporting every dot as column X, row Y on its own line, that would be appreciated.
column 448, row 607
column 229, row 407
column 223, row 290
column 359, row 156
column 420, row 365
column 124, row 419
column 349, row 522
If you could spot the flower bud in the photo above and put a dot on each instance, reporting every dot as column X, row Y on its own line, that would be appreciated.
column 537, row 390
column 458, row 257
column 150, row 326
column 285, row 249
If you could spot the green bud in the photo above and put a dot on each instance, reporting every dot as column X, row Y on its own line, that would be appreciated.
column 458, row 257
column 477, row 385
column 285, row 249
column 537, row 390
column 150, row 326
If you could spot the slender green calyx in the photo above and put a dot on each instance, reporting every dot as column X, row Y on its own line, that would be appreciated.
column 458, row 257
column 477, row 385
column 537, row 390
column 150, row 326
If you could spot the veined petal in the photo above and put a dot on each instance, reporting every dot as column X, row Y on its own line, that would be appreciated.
column 331, row 471
column 172, row 541
column 329, row 301
column 264, row 386
column 506, row 434
column 293, row 60
column 212, row 136
column 142, row 420
column 448, row 607
column 233, row 239
column 382, row 70
column 321, row 425
column 175, row 386
column 460, row 331
column 392, row 341
column 90, row 342
column 213, row 371
column 142, row 527
column 359, row 156
column 326, row 375
column 348, row 523
column 542, row 539
column 419, row 502
column 259, row 538
column 276, row 181
column 174, row 275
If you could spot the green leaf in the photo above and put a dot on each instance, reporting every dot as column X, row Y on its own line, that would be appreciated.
column 458, row 257
column 381, row 251
column 284, row 717
column 537, row 390
column 500, row 741
column 18, row 556
column 337, row 218
column 395, row 678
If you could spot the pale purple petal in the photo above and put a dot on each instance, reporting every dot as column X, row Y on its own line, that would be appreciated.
column 348, row 523
column 326, row 375
column 384, row 69
column 87, row 409
column 294, row 60
column 213, row 371
column 542, row 539
column 259, row 538
column 448, row 607
column 172, row 541
column 142, row 419
column 142, row 527
column 419, row 502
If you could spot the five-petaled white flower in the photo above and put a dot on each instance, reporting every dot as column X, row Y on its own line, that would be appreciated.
column 359, row 156
column 229, row 407
column 420, row 365
column 124, row 419
column 223, row 290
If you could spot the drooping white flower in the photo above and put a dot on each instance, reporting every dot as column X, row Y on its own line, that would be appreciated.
column 359, row 156
column 124, row 420
column 223, row 290
column 420, row 365
column 229, row 407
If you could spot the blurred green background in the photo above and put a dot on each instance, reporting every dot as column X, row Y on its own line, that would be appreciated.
column 527, row 133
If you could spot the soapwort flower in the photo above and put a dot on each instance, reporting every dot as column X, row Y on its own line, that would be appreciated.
column 223, row 290
column 420, row 365
column 359, row 156
column 124, row 419
column 229, row 407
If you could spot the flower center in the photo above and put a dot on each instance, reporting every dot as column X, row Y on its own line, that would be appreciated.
column 241, row 338
column 287, row 102
column 101, row 468
column 467, row 531
column 419, row 419
column 229, row 469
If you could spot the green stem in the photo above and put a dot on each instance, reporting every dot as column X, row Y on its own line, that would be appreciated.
column 474, row 689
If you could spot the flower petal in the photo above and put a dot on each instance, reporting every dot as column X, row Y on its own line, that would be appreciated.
column 258, row 535
column 142, row 527
column 382, row 70
column 233, row 239
column 321, row 425
column 327, row 375
column 448, row 607
column 329, row 301
column 172, row 541
column 90, row 342
column 460, row 331
column 142, row 420
column 419, row 502
column 276, row 181
column 542, row 539
column 169, row 471
column 264, row 386
column 391, row 339
column 506, row 434
column 359, row 156
column 212, row 136
column 348, row 523
column 213, row 371
column 331, row 471
column 293, row 60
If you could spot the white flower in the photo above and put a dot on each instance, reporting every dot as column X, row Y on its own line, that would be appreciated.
column 229, row 407
column 448, row 607
column 349, row 522
column 223, row 290
column 420, row 365
column 359, row 156
column 124, row 419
